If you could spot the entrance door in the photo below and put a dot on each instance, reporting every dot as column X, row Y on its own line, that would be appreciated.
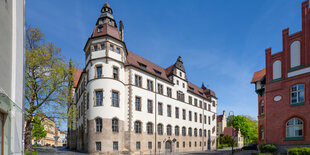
column 1, row 132
column 168, row 146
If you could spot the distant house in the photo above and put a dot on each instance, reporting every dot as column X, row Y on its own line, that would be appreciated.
column 235, row 134
column 221, row 123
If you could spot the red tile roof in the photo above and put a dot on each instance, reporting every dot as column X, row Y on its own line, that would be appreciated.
column 107, row 29
column 228, row 131
column 258, row 75
column 134, row 59
column 76, row 76
column 219, row 118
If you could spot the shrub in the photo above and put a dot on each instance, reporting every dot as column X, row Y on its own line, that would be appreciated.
column 268, row 148
column 299, row 151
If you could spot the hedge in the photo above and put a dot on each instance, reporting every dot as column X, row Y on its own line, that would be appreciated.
column 268, row 148
column 299, row 151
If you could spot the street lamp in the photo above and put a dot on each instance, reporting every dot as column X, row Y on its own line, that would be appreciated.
column 30, row 137
column 232, row 132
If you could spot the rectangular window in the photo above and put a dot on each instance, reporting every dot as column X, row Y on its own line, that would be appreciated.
column 115, row 99
column 100, row 29
column 138, row 103
column 115, row 145
column 205, row 106
column 205, row 119
column 149, row 106
column 99, row 71
column 177, row 144
column 98, row 146
column 118, row 50
column 190, row 100
column 184, row 114
column 195, row 102
column 102, row 47
column 200, row 118
column 115, row 73
column 176, row 112
column 138, row 147
column 159, row 145
column 209, row 107
column 111, row 48
column 195, row 116
column 99, row 97
column 95, row 48
column 209, row 120
column 138, row 80
column 149, row 145
column 169, row 94
column 169, row 110
column 180, row 96
column 150, row 85
column 160, row 108
column 190, row 116
column 200, row 104
column 183, row 144
column 160, row 89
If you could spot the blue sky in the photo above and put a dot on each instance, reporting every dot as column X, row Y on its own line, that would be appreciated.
column 222, row 43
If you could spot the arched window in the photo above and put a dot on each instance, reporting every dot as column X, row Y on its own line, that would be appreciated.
column 276, row 70
column 261, row 107
column 261, row 134
column 149, row 128
column 183, row 131
column 294, row 128
column 190, row 131
column 195, row 132
column 115, row 125
column 295, row 54
column 200, row 132
column 176, row 130
column 138, row 127
column 98, row 124
column 297, row 94
column 160, row 129
column 168, row 129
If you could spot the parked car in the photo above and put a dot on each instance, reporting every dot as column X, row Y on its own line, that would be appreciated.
column 250, row 147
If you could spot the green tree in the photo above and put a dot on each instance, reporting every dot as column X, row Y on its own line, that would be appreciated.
column 248, row 127
column 38, row 131
column 46, row 81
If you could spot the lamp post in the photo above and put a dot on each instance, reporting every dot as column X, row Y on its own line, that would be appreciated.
column 232, row 132
column 31, row 138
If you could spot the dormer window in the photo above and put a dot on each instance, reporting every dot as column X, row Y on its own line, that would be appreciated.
column 158, row 73
column 118, row 50
column 142, row 65
column 200, row 93
column 110, row 23
column 95, row 48
column 100, row 29
column 191, row 88
column 111, row 48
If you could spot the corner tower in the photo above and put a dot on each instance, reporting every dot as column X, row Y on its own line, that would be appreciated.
column 106, row 37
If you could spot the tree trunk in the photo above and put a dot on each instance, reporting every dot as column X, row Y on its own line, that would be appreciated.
column 28, row 133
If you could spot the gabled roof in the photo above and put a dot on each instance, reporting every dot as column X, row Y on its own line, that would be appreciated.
column 258, row 75
column 228, row 131
column 219, row 118
column 76, row 76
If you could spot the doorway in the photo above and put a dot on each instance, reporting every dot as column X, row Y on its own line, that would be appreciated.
column 1, row 132
column 168, row 146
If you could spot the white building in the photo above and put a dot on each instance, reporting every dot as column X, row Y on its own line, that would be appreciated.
column 12, row 76
column 128, row 104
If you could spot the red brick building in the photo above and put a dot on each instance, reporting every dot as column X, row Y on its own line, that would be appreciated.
column 283, row 89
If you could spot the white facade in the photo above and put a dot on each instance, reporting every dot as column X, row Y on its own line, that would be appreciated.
column 127, row 88
column 11, row 77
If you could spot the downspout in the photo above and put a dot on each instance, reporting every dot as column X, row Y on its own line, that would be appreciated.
column 155, row 114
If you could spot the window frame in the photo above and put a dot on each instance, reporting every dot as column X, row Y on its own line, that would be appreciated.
column 297, row 91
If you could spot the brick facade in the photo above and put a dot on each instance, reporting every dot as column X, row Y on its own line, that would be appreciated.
column 274, row 87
